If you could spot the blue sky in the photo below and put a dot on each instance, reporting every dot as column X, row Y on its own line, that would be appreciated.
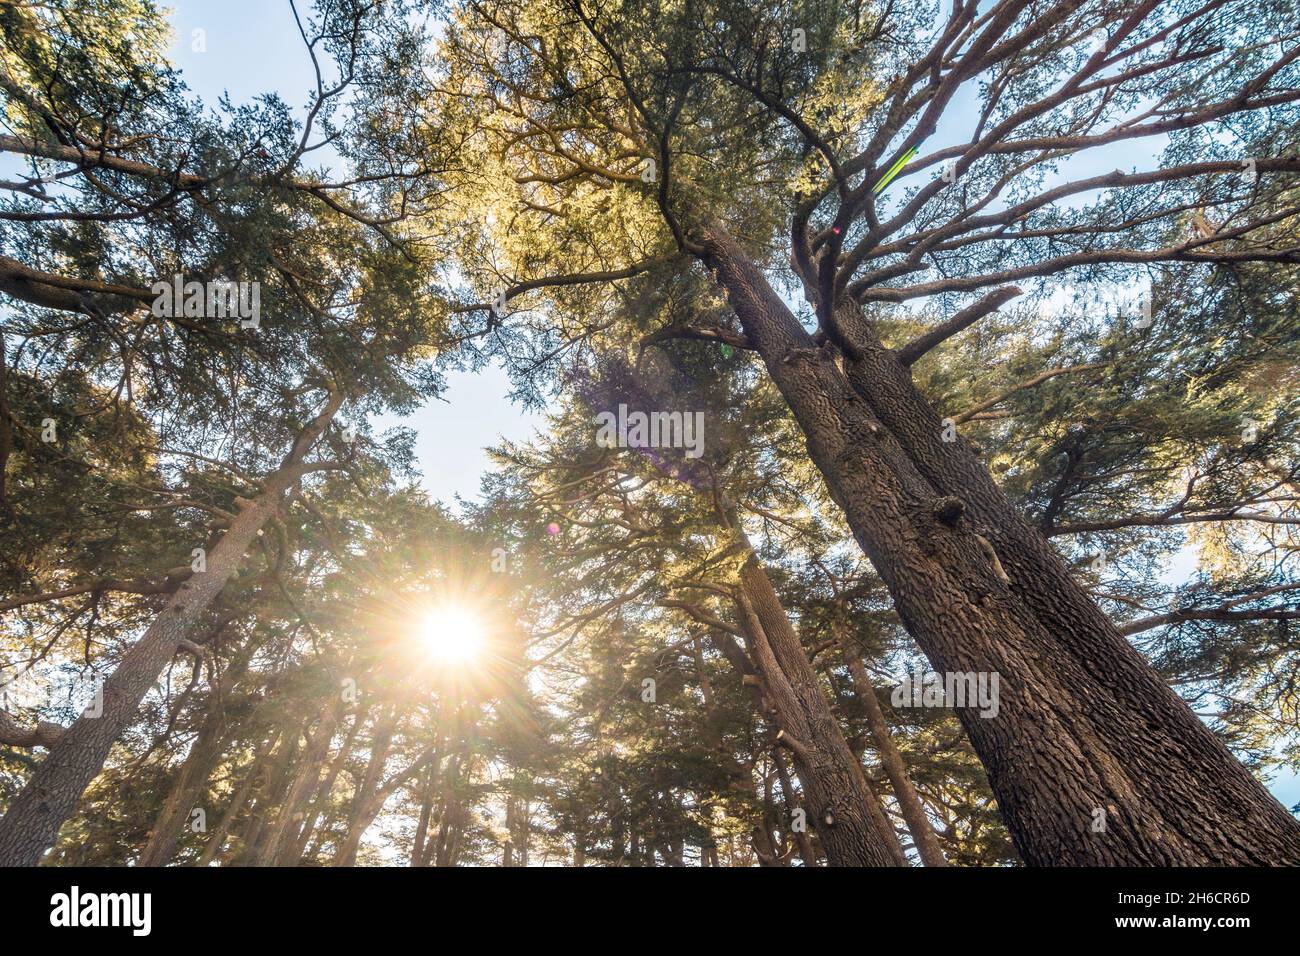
column 249, row 47
column 252, row 47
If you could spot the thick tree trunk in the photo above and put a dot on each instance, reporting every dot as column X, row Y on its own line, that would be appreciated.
column 923, row 835
column 32, row 822
column 1093, row 759
column 846, row 814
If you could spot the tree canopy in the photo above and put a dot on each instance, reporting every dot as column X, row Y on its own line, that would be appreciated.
column 920, row 479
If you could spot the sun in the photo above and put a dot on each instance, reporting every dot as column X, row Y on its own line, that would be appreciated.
column 451, row 634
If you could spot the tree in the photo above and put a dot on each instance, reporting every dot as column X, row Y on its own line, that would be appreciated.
column 347, row 310
column 570, row 116
column 860, row 361
column 650, row 527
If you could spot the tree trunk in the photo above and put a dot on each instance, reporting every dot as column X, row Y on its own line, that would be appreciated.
column 849, row 819
column 426, row 814
column 324, row 788
column 237, row 801
column 190, row 779
column 923, row 835
column 1093, row 759
column 317, row 749
column 806, row 851
column 517, row 830
column 744, row 667
column 507, row 851
column 267, row 800
column 363, row 809
column 193, row 775
column 32, row 822
column 447, row 813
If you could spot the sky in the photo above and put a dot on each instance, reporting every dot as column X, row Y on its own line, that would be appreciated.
column 243, row 48
column 249, row 47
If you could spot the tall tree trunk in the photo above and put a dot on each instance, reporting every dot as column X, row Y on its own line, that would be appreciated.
column 32, row 822
column 267, row 800
column 806, row 852
column 447, row 812
column 517, row 829
column 218, row 838
column 451, row 828
column 426, row 814
column 204, row 754
column 193, row 775
column 362, row 802
column 313, row 758
column 1093, row 759
column 743, row 666
column 923, row 835
column 852, row 825
column 507, row 850
column 763, row 835
column 324, row 788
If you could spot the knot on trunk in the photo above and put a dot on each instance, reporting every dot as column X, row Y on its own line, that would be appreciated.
column 949, row 509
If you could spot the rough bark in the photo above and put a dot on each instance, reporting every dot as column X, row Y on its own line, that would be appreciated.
column 32, row 822
column 1087, row 732
column 43, row 733
column 849, row 819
